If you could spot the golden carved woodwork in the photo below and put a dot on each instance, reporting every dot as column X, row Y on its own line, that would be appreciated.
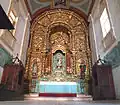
column 57, row 30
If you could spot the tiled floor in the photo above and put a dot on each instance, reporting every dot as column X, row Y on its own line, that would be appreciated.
column 58, row 102
column 80, row 100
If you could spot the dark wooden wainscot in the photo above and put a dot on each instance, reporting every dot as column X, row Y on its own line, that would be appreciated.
column 103, row 86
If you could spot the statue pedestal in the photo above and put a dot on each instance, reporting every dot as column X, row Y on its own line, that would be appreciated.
column 59, row 75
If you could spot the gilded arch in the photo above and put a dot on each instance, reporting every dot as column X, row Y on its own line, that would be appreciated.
column 76, row 49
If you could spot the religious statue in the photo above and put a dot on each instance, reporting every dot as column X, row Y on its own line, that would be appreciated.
column 34, row 76
column 82, row 70
column 57, row 2
column 34, row 70
column 59, row 61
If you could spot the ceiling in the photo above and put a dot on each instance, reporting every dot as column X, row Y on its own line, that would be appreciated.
column 35, row 5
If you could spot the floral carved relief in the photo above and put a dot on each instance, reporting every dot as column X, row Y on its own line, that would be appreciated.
column 55, row 30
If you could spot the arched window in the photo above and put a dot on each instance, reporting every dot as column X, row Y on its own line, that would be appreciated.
column 13, row 18
column 105, row 22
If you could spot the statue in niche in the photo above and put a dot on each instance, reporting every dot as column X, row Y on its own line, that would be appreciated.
column 82, row 69
column 59, row 61
column 60, row 2
column 34, row 68
column 34, row 76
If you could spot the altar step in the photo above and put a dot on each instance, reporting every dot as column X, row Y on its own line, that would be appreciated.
column 79, row 97
column 57, row 94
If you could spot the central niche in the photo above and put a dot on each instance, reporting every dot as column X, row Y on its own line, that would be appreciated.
column 59, row 40
column 58, row 62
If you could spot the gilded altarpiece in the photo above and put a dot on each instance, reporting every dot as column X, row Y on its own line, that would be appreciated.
column 58, row 45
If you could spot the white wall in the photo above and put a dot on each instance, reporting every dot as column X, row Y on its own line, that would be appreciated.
column 116, row 78
column 24, row 45
column 26, row 32
column 93, row 46
column 22, row 33
column 5, row 4
column 114, row 13
column 19, row 35
column 22, row 29
column 114, row 10
column 96, row 28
